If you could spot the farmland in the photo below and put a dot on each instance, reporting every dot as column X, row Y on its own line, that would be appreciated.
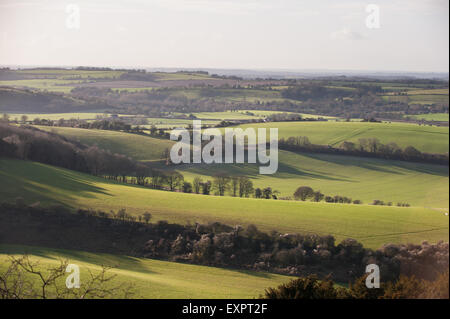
column 372, row 225
column 425, row 138
column 365, row 179
column 431, row 117
column 136, row 146
column 153, row 278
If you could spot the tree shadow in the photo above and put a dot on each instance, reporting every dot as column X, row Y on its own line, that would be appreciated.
column 35, row 181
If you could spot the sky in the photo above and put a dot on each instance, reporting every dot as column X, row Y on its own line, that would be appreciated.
column 410, row 36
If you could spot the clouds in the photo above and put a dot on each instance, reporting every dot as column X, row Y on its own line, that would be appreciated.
column 288, row 34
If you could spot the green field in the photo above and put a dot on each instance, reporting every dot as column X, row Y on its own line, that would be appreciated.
column 57, row 116
column 51, row 85
column 424, row 138
column 136, row 146
column 365, row 179
column 372, row 225
column 431, row 117
column 248, row 115
column 155, row 279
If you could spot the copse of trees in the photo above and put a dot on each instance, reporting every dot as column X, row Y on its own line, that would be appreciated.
column 304, row 193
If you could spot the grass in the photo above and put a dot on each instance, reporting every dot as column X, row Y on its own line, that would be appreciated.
column 372, row 225
column 52, row 85
column 429, row 99
column 154, row 279
column 425, row 138
column 58, row 73
column 136, row 146
column 57, row 116
column 431, row 117
column 365, row 179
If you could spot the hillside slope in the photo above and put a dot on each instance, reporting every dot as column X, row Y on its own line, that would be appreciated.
column 156, row 279
column 371, row 225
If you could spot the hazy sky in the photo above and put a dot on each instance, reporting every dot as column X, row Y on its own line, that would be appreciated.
column 248, row 34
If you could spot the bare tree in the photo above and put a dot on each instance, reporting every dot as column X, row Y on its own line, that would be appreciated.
column 25, row 279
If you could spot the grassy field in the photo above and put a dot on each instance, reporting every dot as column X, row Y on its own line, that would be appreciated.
column 155, row 279
column 365, row 179
column 248, row 115
column 57, row 116
column 425, row 138
column 358, row 178
column 52, row 85
column 372, row 225
column 431, row 117
column 136, row 146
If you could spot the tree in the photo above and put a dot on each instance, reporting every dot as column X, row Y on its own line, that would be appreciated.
column 147, row 216
column 24, row 118
column 153, row 129
column 187, row 187
column 304, row 288
column 303, row 193
column 267, row 192
column 206, row 187
column 318, row 196
column 245, row 186
column 26, row 279
column 197, row 184
column 221, row 183
column 258, row 193
column 234, row 185
column 174, row 180
column 158, row 179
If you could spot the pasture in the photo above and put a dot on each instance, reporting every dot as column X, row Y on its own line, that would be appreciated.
column 430, row 139
column 139, row 147
column 371, row 225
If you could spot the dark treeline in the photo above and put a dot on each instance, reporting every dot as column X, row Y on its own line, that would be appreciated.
column 29, row 143
column 365, row 147
column 215, row 244
column 29, row 101
column 405, row 287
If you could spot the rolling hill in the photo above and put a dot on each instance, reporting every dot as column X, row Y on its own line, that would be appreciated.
column 372, row 225
column 429, row 139
column 365, row 179
column 141, row 148
column 156, row 279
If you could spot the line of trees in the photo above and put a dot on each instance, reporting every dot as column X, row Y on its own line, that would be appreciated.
column 365, row 147
column 304, row 193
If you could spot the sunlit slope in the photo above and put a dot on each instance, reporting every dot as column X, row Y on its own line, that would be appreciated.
column 360, row 178
column 136, row 146
column 372, row 225
column 155, row 279
column 430, row 139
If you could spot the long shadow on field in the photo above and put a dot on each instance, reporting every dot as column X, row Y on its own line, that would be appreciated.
column 35, row 181
column 381, row 165
column 99, row 259
column 252, row 171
